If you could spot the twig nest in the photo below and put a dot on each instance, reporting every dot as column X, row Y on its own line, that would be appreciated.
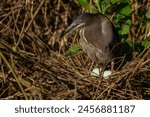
column 98, row 71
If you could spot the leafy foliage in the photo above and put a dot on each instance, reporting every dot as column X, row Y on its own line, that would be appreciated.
column 74, row 48
column 146, row 43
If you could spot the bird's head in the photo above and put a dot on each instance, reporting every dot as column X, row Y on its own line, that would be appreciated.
column 79, row 22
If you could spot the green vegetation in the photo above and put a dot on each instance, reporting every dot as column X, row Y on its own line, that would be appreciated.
column 74, row 48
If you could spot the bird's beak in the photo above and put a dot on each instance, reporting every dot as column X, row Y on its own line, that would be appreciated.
column 75, row 24
column 71, row 27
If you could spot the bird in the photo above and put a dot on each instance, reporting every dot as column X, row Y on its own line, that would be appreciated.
column 98, row 36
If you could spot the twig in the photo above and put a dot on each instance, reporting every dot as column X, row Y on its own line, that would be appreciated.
column 140, row 62
column 28, row 26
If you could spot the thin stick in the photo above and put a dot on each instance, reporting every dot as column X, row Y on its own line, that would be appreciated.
column 28, row 26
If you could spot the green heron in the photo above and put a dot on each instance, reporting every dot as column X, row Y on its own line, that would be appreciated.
column 98, row 36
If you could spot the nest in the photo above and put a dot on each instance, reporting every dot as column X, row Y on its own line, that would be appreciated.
column 61, row 77
column 32, row 69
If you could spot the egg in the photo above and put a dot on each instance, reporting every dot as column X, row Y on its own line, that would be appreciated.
column 106, row 74
column 97, row 72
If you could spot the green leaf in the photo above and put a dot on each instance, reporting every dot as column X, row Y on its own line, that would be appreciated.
column 146, row 43
column 148, row 14
column 105, row 6
column 74, row 48
column 86, row 5
column 98, row 3
column 114, row 1
column 119, row 18
column 126, row 27
column 126, row 10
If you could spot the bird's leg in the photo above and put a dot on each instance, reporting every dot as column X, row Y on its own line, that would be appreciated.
column 101, row 69
column 112, row 66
